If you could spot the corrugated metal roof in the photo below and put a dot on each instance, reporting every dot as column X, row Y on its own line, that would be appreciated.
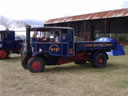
column 91, row 16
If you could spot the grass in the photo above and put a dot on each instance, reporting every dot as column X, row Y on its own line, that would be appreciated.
column 65, row 80
column 126, row 49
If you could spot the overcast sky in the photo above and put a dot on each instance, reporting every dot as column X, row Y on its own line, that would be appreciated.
column 48, row 9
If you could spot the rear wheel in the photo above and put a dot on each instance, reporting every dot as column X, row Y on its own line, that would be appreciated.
column 100, row 60
column 36, row 64
column 3, row 54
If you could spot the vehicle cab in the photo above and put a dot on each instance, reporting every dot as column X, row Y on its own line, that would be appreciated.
column 6, row 39
column 55, row 41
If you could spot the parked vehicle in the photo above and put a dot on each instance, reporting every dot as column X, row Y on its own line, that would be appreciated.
column 56, row 45
column 8, row 44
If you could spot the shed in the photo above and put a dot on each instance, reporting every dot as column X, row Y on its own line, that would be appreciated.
column 89, row 25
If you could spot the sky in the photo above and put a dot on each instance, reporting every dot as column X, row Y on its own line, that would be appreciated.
column 43, row 10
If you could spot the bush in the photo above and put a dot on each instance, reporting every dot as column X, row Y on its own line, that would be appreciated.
column 120, row 37
column 126, row 49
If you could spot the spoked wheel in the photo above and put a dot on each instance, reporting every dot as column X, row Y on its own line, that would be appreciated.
column 3, row 54
column 100, row 60
column 36, row 64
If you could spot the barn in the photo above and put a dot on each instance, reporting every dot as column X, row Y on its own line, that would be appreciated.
column 112, row 23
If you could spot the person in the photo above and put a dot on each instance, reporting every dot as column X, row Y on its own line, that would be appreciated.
column 57, row 36
column 35, row 35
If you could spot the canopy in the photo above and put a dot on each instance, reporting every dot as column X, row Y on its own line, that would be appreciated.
column 116, row 52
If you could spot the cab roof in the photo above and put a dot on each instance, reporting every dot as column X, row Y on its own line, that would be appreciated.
column 49, row 28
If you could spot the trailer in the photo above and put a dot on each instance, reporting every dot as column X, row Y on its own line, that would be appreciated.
column 57, row 45
column 8, row 44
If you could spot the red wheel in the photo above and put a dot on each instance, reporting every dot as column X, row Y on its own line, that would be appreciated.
column 36, row 64
column 3, row 54
column 100, row 60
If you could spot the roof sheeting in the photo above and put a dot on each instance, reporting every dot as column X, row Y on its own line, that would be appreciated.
column 91, row 16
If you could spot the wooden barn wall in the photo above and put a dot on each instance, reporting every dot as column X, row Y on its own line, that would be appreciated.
column 88, row 29
column 118, row 25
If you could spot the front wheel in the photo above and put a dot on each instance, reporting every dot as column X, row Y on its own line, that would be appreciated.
column 36, row 64
column 4, row 54
column 100, row 60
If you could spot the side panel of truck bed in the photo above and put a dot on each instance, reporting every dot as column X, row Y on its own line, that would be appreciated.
column 84, row 46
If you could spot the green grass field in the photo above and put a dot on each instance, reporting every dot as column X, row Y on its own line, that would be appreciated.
column 65, row 80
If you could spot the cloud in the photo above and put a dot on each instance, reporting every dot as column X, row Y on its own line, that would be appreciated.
column 48, row 9
column 15, row 24
column 4, row 21
column 11, row 24
column 34, row 22
column 125, row 4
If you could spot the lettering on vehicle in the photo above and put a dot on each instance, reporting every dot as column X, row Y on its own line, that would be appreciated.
column 96, row 45
column 54, row 47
